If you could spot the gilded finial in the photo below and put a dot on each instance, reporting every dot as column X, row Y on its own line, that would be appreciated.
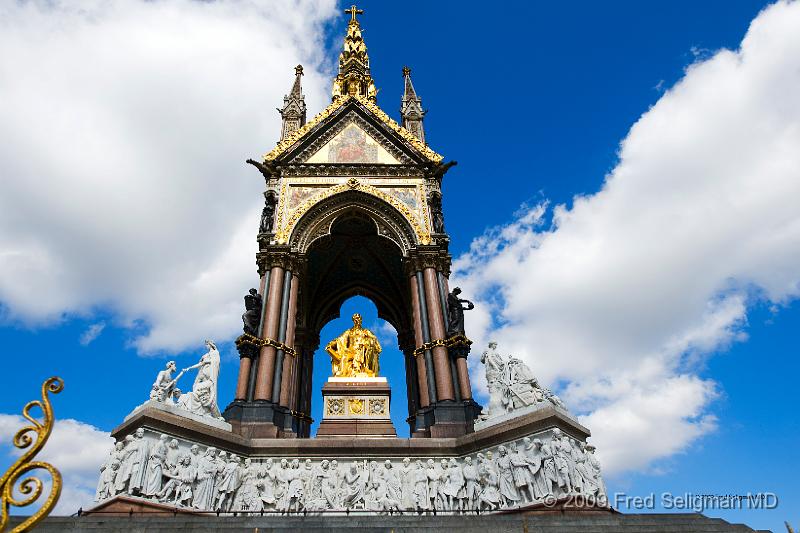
column 298, row 70
column 406, row 71
column 354, row 78
column 353, row 11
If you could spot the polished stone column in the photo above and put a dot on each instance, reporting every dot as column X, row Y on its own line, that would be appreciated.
column 289, row 361
column 279, row 354
column 246, row 360
column 266, row 363
column 422, row 377
column 441, row 363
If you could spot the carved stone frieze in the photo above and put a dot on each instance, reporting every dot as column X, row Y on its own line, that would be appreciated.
column 346, row 169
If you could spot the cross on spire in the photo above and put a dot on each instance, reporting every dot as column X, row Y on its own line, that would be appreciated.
column 353, row 11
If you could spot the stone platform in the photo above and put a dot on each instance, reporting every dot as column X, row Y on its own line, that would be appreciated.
column 553, row 522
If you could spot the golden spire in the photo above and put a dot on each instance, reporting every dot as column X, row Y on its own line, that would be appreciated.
column 354, row 78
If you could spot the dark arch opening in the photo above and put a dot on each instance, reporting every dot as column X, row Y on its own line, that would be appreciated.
column 392, row 362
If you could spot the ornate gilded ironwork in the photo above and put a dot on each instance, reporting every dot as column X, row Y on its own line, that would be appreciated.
column 421, row 228
column 31, row 487
column 354, row 78
column 252, row 340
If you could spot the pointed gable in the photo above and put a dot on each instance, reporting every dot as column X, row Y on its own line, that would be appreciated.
column 393, row 143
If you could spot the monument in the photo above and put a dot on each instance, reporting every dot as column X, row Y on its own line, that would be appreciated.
column 353, row 206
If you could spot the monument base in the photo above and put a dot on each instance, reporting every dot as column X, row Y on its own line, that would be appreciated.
column 356, row 407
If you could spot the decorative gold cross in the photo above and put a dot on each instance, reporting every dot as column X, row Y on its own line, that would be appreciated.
column 353, row 11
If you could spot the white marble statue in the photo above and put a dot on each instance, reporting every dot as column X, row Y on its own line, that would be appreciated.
column 512, row 385
column 521, row 472
column 163, row 388
column 202, row 399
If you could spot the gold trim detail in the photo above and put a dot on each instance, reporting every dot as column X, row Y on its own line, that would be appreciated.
column 422, row 230
column 452, row 342
column 246, row 338
column 409, row 137
column 31, row 487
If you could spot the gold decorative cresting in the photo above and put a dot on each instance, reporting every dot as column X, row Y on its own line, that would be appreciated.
column 31, row 487
column 354, row 78
column 355, row 353
column 409, row 137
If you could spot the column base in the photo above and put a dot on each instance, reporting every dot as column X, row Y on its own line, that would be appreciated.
column 262, row 419
column 446, row 418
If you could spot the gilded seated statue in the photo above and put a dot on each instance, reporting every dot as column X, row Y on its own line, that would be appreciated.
column 354, row 353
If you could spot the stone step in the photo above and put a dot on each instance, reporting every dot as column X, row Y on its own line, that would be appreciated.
column 516, row 523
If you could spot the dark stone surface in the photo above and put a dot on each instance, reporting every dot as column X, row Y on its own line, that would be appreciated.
column 548, row 522
column 455, row 312
column 252, row 314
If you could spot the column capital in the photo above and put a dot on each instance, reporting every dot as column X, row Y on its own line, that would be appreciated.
column 280, row 256
column 436, row 257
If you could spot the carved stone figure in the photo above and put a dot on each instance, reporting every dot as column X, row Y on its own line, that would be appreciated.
column 164, row 384
column 523, row 477
column 268, row 213
column 454, row 485
column 520, row 472
column 155, row 467
column 536, row 458
column 354, row 487
column 494, row 365
column 406, row 475
column 455, row 312
column 512, row 385
column 437, row 218
column 594, row 468
column 106, row 486
column 490, row 491
column 505, row 473
column 252, row 314
column 472, row 484
column 137, row 456
column 202, row 399
column 562, row 456
column 355, row 352
column 206, row 472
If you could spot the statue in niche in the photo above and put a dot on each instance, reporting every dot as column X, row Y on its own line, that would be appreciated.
column 455, row 312
column 437, row 217
column 355, row 352
column 202, row 400
column 268, row 213
column 252, row 314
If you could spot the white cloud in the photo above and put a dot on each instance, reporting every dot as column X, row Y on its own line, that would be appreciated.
column 76, row 449
column 91, row 333
column 621, row 298
column 124, row 126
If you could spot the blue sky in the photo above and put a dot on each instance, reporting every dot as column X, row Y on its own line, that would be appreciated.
column 661, row 302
